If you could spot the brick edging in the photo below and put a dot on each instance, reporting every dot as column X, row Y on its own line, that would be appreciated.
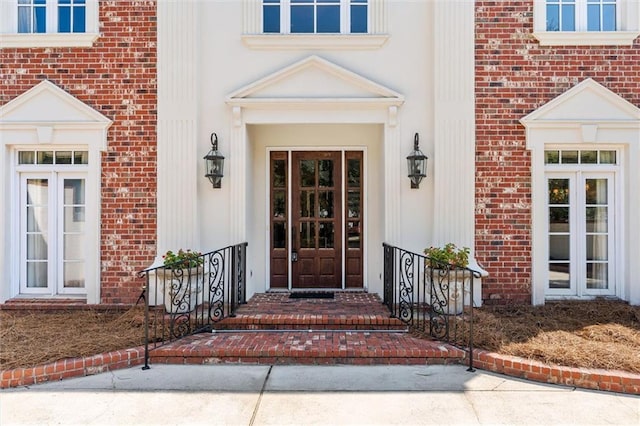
column 72, row 367
column 587, row 378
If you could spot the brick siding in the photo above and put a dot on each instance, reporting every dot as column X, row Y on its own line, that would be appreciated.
column 515, row 76
column 117, row 77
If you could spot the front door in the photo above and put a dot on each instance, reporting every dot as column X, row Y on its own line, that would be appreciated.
column 312, row 244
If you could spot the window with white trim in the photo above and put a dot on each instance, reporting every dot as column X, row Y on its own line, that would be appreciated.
column 586, row 22
column 581, row 228
column 315, row 16
column 53, row 241
column 48, row 23
column 314, row 24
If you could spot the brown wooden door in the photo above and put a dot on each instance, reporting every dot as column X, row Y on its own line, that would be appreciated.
column 316, row 222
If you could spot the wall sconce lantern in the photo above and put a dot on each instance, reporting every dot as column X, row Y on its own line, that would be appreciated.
column 214, row 163
column 417, row 164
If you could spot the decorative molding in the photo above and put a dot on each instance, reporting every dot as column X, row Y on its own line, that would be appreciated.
column 590, row 38
column 314, row 41
column 48, row 40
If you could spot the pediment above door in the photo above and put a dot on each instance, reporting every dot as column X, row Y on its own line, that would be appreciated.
column 311, row 83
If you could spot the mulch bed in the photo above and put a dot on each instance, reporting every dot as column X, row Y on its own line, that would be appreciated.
column 595, row 334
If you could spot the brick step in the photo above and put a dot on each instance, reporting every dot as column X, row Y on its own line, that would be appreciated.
column 306, row 347
column 310, row 322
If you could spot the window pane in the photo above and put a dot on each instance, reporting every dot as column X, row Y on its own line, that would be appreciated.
column 40, row 19
column 37, row 274
column 63, row 157
column 359, row 19
column 279, row 235
column 609, row 17
column 559, row 276
column 596, row 191
column 353, row 173
column 593, row 17
column 81, row 157
column 607, row 157
column 597, row 276
column 279, row 204
column 278, row 174
column 36, row 247
column 325, row 174
column 307, row 203
column 569, row 157
column 353, row 235
column 353, row 202
column 559, row 247
column 597, row 247
column 24, row 19
column 553, row 17
column 328, row 19
column 559, row 219
column 79, row 19
column 325, row 202
column 45, row 157
column 551, row 157
column 307, row 235
column 64, row 19
column 589, row 157
column 307, row 173
column 326, row 235
column 74, row 274
column 302, row 19
column 271, row 18
column 558, row 191
column 26, row 157
column 597, row 219
column 568, row 17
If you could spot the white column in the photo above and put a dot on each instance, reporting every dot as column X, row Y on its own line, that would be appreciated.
column 238, row 177
column 454, row 119
column 178, row 157
column 392, row 178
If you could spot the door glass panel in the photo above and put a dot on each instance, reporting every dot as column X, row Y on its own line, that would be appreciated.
column 74, row 191
column 559, row 275
column 326, row 235
column 353, row 235
column 307, row 235
column 278, row 174
column 63, row 157
column 38, row 191
column 569, row 157
column 558, row 191
column 597, row 276
column 325, row 201
column 307, row 173
column 596, row 191
column 607, row 157
column 37, row 220
column 36, row 247
column 73, row 275
column 597, row 220
column 279, row 235
column 45, row 157
column 37, row 274
column 589, row 157
column 559, row 247
column 325, row 175
column 279, row 204
column 597, row 247
column 353, row 173
column 307, row 203
column 559, row 219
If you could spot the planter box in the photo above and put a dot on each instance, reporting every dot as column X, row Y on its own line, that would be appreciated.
column 181, row 288
column 446, row 290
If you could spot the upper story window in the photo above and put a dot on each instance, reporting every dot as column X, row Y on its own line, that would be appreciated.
column 34, row 16
column 315, row 24
column 48, row 23
column 586, row 22
column 315, row 16
column 576, row 15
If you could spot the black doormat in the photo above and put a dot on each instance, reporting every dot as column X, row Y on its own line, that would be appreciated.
column 311, row 295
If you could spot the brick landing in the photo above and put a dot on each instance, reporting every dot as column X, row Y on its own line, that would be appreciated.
column 352, row 328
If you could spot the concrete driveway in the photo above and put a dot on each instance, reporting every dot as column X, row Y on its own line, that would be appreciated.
column 310, row 395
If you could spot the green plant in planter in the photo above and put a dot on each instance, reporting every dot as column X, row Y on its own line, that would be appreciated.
column 183, row 259
column 450, row 254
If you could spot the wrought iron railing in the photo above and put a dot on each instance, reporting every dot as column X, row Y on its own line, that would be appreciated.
column 180, row 302
column 430, row 297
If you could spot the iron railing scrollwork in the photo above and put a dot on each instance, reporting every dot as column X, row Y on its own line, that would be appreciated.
column 181, row 302
column 430, row 297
